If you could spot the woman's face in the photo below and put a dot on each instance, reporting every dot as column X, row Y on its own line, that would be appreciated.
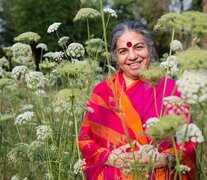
column 132, row 54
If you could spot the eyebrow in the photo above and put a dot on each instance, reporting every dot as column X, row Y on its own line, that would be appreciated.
column 123, row 48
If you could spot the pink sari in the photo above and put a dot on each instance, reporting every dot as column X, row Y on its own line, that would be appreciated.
column 112, row 107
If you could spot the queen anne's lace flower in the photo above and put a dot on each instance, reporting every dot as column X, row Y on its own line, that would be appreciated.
column 189, row 132
column 43, row 46
column 175, row 105
column 24, row 118
column 4, row 63
column 184, row 169
column 78, row 166
column 86, row 13
column 63, row 40
column 75, row 50
column 18, row 72
column 43, row 132
column 193, row 86
column 22, row 53
column 27, row 37
column 151, row 122
column 53, row 27
column 171, row 64
column 48, row 55
column 15, row 177
column 176, row 45
column 149, row 149
column 35, row 80
column 1, row 72
column 58, row 56
column 111, row 12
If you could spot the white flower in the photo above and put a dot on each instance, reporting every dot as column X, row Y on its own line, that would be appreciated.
column 75, row 50
column 58, row 56
column 110, row 11
column 35, row 80
column 18, row 72
column 189, row 132
column 27, row 107
column 43, row 46
column 40, row 92
column 176, row 45
column 150, row 122
column 1, row 72
column 63, row 40
column 171, row 64
column 15, row 177
column 22, row 53
column 78, row 166
column 193, row 86
column 53, row 27
column 183, row 169
column 4, row 62
column 48, row 55
column 43, row 132
column 24, row 118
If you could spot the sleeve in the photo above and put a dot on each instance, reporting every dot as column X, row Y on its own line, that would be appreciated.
column 95, row 156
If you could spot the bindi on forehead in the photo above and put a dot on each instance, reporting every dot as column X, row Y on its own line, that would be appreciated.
column 129, row 44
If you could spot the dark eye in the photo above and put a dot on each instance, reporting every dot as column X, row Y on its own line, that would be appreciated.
column 122, row 51
column 139, row 47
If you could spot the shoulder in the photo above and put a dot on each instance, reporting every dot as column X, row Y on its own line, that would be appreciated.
column 101, row 88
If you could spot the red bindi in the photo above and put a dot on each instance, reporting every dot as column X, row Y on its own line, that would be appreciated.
column 129, row 44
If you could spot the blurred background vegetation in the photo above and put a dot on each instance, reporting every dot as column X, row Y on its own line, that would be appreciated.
column 18, row 16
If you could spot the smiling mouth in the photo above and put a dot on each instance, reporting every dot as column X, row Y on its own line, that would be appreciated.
column 134, row 63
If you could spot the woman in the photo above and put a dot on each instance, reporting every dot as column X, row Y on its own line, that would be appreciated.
column 112, row 132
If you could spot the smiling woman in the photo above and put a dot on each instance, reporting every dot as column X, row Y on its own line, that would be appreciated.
column 112, row 139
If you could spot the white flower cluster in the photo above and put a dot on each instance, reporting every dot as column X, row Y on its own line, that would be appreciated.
column 1, row 72
column 63, row 40
column 193, row 86
column 62, row 106
column 22, row 53
column 40, row 92
column 150, row 122
column 184, row 169
column 58, row 56
column 75, row 50
column 15, row 177
column 24, row 118
column 111, row 12
column 175, row 105
column 4, row 62
column 171, row 64
column 27, row 107
column 176, row 45
column 53, row 27
column 35, row 80
column 189, row 132
column 43, row 132
column 78, row 166
column 42, row 46
column 18, row 72
column 86, row 13
column 54, row 76
column 48, row 55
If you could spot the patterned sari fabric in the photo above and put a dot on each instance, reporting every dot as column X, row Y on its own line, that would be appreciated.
column 115, row 114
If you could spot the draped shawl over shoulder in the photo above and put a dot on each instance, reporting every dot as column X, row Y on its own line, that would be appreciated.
column 116, row 113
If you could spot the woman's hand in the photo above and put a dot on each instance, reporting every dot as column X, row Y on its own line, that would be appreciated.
column 121, row 159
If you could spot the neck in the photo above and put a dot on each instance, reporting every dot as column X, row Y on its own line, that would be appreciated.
column 129, row 80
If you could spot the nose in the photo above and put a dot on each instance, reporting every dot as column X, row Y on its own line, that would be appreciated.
column 132, row 55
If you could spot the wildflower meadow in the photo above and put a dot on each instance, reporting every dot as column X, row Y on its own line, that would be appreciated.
column 42, row 103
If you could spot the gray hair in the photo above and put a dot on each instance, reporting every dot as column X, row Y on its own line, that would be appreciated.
column 136, row 27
